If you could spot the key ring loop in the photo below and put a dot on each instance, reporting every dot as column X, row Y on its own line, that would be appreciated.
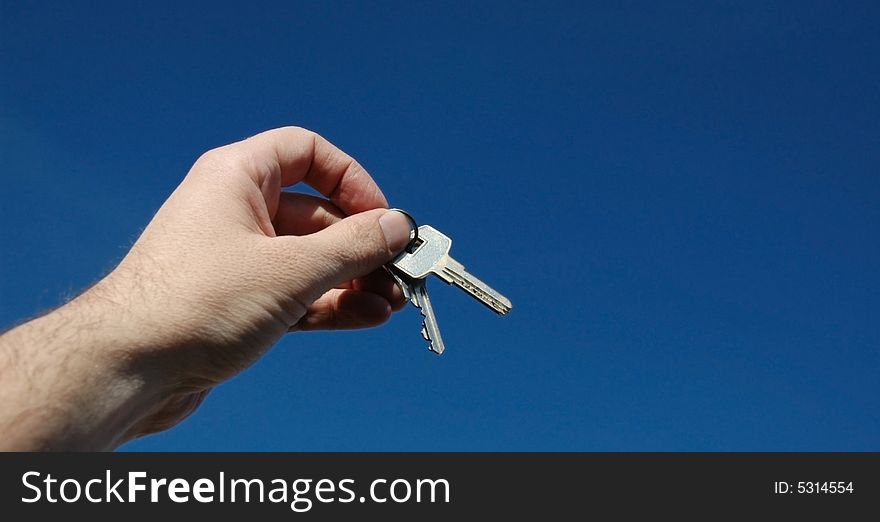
column 414, row 233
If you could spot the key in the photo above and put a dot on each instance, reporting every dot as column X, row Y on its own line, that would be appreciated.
column 429, row 254
column 416, row 292
column 430, row 329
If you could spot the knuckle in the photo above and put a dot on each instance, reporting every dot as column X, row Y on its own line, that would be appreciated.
column 219, row 158
column 297, row 132
column 214, row 155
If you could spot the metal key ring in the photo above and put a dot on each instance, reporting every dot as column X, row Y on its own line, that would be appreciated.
column 414, row 234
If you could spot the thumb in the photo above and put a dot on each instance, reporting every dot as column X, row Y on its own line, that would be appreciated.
column 355, row 246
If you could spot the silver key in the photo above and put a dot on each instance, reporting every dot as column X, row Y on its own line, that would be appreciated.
column 430, row 331
column 416, row 292
column 430, row 255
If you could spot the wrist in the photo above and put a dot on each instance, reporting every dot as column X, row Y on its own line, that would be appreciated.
column 74, row 379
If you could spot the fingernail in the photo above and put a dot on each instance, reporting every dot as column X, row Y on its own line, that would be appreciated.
column 396, row 228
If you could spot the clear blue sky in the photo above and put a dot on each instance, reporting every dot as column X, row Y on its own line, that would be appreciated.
column 680, row 199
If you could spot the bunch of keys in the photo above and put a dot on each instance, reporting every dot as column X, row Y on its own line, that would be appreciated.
column 428, row 254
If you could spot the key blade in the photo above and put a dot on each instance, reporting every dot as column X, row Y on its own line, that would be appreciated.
column 430, row 330
column 454, row 272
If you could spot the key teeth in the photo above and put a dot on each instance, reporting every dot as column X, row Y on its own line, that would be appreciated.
column 427, row 337
column 431, row 345
column 478, row 289
column 425, row 334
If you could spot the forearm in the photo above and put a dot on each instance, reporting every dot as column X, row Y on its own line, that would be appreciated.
column 70, row 380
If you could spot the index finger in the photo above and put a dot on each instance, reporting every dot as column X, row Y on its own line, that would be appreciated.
column 294, row 154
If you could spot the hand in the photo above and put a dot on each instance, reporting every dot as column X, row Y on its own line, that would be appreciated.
column 228, row 265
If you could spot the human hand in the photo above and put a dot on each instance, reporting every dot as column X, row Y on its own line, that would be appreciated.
column 229, row 264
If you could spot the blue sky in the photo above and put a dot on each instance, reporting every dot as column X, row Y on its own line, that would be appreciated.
column 680, row 199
